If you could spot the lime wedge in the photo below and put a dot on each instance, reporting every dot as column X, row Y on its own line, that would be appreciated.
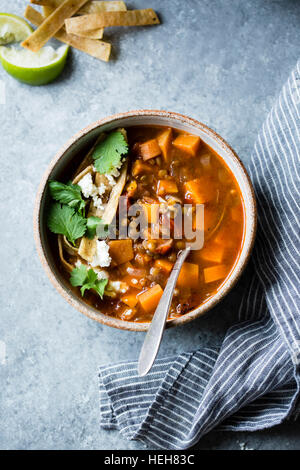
column 13, row 28
column 34, row 68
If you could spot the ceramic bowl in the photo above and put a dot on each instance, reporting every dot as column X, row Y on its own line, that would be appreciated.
column 69, row 157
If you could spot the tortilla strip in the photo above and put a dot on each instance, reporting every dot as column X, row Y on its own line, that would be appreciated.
column 111, row 18
column 87, row 248
column 52, row 24
column 68, row 267
column 112, row 205
column 99, row 7
column 79, row 176
column 90, row 7
column 70, row 249
column 95, row 34
column 99, row 49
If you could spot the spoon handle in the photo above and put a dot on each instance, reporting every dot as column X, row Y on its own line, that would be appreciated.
column 155, row 332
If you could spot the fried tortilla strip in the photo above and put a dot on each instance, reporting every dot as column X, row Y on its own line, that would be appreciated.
column 52, row 24
column 68, row 267
column 99, row 49
column 86, row 171
column 70, row 249
column 90, row 7
column 99, row 7
column 95, row 34
column 112, row 205
column 87, row 248
column 111, row 18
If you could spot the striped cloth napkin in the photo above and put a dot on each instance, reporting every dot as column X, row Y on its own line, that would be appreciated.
column 253, row 381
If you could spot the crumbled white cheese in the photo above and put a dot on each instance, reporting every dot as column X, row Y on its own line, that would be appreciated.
column 101, row 257
column 102, row 189
column 87, row 186
column 78, row 264
column 111, row 180
column 89, row 189
column 98, row 203
column 102, row 275
column 119, row 286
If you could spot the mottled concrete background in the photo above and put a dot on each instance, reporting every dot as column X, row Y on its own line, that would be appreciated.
column 222, row 62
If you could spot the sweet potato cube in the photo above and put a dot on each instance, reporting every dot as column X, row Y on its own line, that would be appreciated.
column 164, row 141
column 189, row 275
column 187, row 143
column 164, row 265
column 212, row 252
column 139, row 167
column 149, row 149
column 122, row 268
column 121, row 251
column 149, row 299
column 151, row 212
column 199, row 190
column 130, row 299
column 215, row 273
column 166, row 187
column 226, row 234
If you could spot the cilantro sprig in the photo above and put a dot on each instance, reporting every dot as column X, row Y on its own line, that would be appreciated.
column 63, row 220
column 108, row 153
column 87, row 279
column 69, row 194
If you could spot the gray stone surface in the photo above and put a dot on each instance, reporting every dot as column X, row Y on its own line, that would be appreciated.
column 222, row 62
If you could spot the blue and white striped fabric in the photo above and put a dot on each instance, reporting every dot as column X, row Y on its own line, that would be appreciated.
column 253, row 381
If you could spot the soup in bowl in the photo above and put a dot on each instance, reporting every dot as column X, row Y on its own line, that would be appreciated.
column 121, row 201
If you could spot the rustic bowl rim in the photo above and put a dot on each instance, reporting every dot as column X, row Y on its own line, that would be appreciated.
column 89, row 311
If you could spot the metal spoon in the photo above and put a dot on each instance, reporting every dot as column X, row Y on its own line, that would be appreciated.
column 154, row 335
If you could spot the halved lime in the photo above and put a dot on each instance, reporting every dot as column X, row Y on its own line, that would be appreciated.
column 34, row 68
column 13, row 28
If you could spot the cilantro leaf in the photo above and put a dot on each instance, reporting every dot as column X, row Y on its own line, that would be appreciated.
column 64, row 220
column 108, row 153
column 87, row 279
column 69, row 194
column 78, row 275
column 91, row 226
column 99, row 287
column 89, row 282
